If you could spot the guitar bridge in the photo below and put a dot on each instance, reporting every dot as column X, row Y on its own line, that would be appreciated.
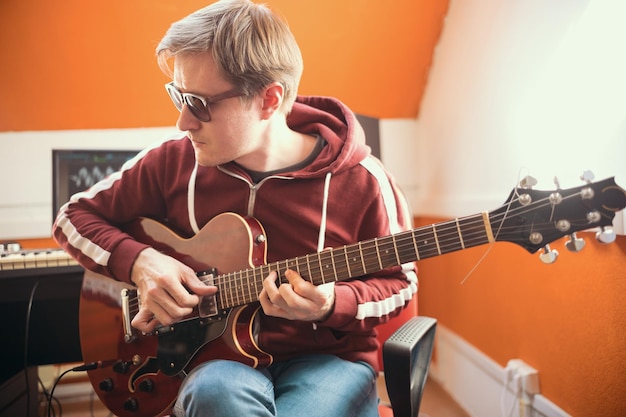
column 208, row 303
column 126, row 296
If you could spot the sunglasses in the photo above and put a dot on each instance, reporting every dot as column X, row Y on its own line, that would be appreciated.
column 199, row 106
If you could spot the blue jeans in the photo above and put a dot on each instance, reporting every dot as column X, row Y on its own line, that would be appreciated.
column 310, row 385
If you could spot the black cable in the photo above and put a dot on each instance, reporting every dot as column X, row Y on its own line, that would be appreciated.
column 46, row 395
column 26, row 377
column 56, row 381
column 84, row 367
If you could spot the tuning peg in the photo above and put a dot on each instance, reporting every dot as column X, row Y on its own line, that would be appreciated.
column 606, row 235
column 549, row 255
column 528, row 182
column 587, row 176
column 575, row 244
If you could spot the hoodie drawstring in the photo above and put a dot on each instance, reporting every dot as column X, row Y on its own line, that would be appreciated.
column 322, row 236
column 191, row 192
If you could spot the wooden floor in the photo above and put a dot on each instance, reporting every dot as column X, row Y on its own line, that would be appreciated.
column 436, row 402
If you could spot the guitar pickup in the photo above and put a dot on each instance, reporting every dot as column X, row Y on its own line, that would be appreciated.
column 208, row 303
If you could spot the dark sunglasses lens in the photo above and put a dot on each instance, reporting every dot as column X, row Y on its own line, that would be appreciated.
column 198, row 109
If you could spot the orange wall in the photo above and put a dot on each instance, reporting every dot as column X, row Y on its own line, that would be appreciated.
column 77, row 64
column 567, row 319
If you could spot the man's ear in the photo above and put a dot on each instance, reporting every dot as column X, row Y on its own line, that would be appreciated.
column 273, row 96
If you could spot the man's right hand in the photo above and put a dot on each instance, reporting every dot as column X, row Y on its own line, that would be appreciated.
column 164, row 285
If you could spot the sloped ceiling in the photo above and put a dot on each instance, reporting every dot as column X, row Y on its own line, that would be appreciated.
column 373, row 55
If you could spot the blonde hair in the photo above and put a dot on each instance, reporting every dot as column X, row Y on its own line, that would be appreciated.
column 252, row 46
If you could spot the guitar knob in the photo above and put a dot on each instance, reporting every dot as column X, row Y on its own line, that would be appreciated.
column 575, row 244
column 549, row 255
column 146, row 385
column 106, row 385
column 528, row 182
column 121, row 367
column 606, row 235
column 131, row 404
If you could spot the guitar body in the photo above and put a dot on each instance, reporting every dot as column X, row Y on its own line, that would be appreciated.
column 135, row 376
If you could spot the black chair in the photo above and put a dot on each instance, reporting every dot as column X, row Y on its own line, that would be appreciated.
column 406, row 359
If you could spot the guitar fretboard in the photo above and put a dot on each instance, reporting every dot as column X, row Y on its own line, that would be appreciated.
column 366, row 257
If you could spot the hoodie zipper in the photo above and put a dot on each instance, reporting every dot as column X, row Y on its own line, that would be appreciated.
column 253, row 187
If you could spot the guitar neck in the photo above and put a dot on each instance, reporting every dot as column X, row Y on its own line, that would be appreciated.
column 366, row 257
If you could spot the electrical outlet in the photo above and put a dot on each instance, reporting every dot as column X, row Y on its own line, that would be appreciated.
column 526, row 376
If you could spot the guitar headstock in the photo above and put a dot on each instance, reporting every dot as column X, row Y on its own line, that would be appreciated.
column 535, row 218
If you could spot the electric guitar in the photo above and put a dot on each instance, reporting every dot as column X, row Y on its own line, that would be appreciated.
column 139, row 375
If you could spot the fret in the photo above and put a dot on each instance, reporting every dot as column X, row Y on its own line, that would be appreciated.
column 221, row 290
column 252, row 284
column 245, row 285
column 296, row 265
column 230, row 298
column 362, row 258
column 332, row 260
column 395, row 250
column 345, row 254
column 252, row 291
column 249, row 283
column 313, row 265
column 436, row 239
column 229, row 293
column 455, row 241
column 369, row 253
column 301, row 264
column 326, row 265
column 417, row 252
column 239, row 293
column 308, row 265
column 473, row 231
column 458, row 230
column 426, row 241
column 339, row 263
column 387, row 252
column 321, row 269
column 354, row 261
column 380, row 261
column 280, row 271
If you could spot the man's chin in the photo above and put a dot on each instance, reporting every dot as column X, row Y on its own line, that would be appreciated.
column 205, row 161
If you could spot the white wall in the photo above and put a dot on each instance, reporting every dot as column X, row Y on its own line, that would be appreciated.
column 521, row 87
column 26, row 171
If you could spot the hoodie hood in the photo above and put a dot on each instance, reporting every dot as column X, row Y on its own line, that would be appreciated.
column 338, row 125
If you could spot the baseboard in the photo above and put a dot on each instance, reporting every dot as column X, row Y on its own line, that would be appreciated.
column 476, row 382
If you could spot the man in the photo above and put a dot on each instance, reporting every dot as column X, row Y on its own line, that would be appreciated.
column 300, row 166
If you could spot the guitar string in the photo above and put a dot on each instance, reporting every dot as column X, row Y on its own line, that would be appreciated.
column 443, row 233
column 480, row 230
